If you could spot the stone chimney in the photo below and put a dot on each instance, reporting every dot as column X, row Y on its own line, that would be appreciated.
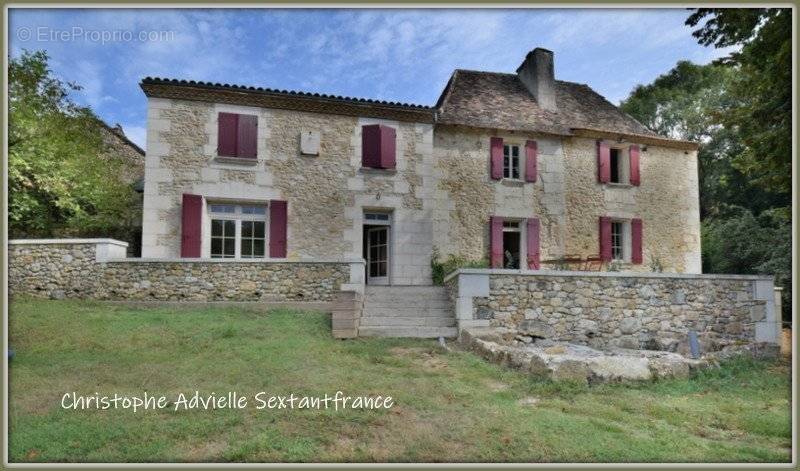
column 536, row 72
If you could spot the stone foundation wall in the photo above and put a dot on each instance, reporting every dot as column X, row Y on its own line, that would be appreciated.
column 87, row 270
column 628, row 310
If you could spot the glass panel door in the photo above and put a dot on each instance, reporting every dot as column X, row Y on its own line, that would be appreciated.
column 378, row 255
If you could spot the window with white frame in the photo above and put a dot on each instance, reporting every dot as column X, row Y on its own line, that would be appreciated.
column 616, row 241
column 238, row 231
column 511, row 161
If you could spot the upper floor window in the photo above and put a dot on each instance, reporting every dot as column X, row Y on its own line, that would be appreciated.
column 511, row 161
column 618, row 166
column 237, row 135
column 238, row 231
column 378, row 146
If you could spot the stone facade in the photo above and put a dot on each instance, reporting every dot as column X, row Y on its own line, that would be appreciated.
column 468, row 195
column 440, row 195
column 652, row 311
column 567, row 199
column 667, row 201
column 87, row 269
column 327, row 194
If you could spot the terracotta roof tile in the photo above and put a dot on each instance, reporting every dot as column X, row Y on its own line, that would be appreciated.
column 274, row 91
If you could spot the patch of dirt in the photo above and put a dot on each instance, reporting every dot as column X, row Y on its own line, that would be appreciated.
column 403, row 429
column 407, row 351
column 528, row 401
column 496, row 386
column 424, row 357
column 786, row 342
column 207, row 451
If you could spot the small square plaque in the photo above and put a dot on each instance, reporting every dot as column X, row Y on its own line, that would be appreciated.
column 309, row 142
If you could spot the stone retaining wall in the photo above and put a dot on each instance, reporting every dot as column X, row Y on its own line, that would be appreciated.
column 96, row 269
column 628, row 310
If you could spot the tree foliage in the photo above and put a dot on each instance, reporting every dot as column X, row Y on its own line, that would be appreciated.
column 61, row 182
column 685, row 103
column 738, row 110
column 761, row 115
column 748, row 244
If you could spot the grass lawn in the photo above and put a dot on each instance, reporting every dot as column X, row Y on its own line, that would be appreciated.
column 448, row 406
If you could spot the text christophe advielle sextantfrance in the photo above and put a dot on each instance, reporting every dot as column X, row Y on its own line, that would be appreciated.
column 230, row 400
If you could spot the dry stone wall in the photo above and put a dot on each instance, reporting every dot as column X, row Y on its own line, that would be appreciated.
column 627, row 310
column 74, row 270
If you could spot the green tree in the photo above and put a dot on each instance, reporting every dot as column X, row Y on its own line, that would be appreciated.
column 61, row 180
column 761, row 114
column 685, row 103
column 747, row 244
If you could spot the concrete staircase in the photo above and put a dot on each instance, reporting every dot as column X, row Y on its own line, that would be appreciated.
column 407, row 311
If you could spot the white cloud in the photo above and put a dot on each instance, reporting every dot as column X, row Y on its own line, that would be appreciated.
column 89, row 75
column 137, row 134
column 397, row 54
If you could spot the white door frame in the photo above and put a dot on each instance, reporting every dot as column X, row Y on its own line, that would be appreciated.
column 384, row 279
column 381, row 220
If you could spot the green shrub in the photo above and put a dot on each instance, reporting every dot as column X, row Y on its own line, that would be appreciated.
column 737, row 241
column 442, row 268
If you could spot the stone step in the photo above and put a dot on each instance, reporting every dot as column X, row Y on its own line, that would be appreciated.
column 407, row 321
column 408, row 303
column 419, row 332
column 405, row 312
column 405, row 291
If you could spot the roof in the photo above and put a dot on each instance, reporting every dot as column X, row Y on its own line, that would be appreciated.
column 488, row 100
column 120, row 134
column 501, row 101
column 285, row 99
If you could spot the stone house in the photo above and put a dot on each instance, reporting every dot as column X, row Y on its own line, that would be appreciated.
column 340, row 204
column 521, row 170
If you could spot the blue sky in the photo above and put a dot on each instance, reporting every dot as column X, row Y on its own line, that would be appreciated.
column 392, row 54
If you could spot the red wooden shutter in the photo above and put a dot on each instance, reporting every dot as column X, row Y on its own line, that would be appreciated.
column 605, row 239
column 496, row 157
column 603, row 162
column 388, row 138
column 636, row 241
column 247, row 136
column 277, row 229
column 496, row 241
column 634, row 164
column 531, row 155
column 533, row 244
column 227, row 134
column 191, row 216
column 371, row 146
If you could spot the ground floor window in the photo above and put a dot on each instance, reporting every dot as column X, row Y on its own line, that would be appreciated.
column 617, row 241
column 238, row 231
column 621, row 240
column 512, row 236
